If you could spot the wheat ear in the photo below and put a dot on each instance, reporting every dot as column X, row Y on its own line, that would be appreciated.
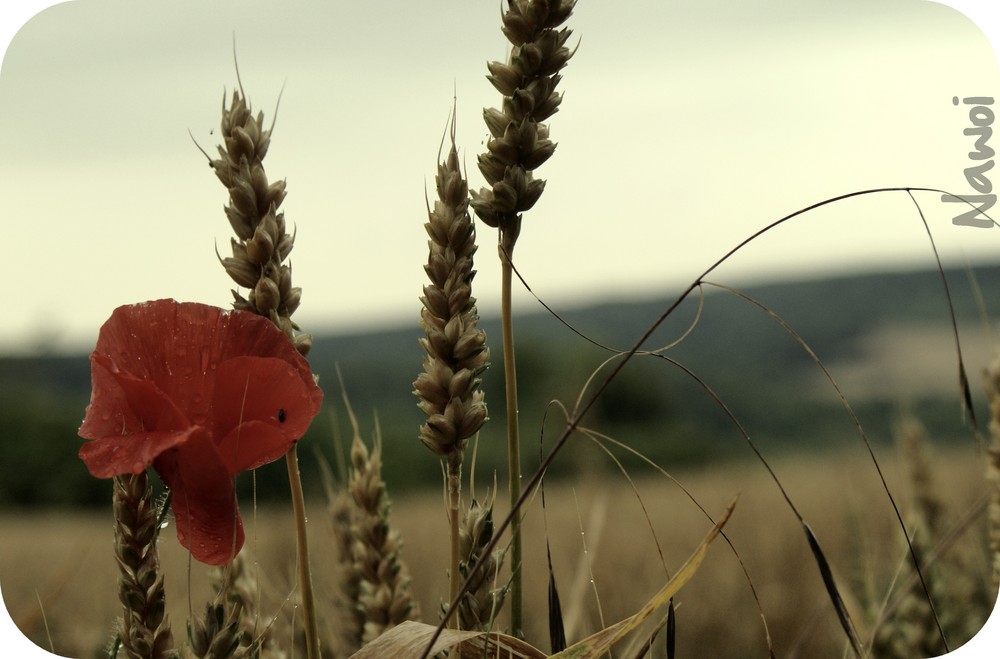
column 347, row 624
column 456, row 352
column 384, row 596
column 485, row 596
column 259, row 250
column 992, row 386
column 144, row 630
column 519, row 145
column 218, row 634
column 237, row 588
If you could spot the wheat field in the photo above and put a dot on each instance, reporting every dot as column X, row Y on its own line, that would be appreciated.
column 57, row 568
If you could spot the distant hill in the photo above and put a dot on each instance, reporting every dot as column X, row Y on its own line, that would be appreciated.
column 853, row 323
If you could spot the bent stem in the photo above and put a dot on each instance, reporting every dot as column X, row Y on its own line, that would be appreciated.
column 302, row 554
column 508, row 239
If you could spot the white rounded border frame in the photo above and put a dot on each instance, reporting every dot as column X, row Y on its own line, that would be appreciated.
column 15, row 13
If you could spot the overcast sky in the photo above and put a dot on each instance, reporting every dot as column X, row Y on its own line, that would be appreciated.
column 685, row 127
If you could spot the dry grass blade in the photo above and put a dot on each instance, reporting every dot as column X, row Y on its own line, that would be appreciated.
column 831, row 588
column 598, row 644
column 410, row 639
column 672, row 631
column 557, row 631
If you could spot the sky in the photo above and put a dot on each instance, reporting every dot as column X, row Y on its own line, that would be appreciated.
column 685, row 128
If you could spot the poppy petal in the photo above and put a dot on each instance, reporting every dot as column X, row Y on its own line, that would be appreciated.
column 167, row 343
column 141, row 400
column 109, row 412
column 204, row 500
column 251, row 445
column 260, row 407
column 128, row 454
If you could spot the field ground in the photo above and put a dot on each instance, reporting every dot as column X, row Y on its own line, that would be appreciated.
column 61, row 562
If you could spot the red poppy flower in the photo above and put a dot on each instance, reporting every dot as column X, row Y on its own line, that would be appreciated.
column 200, row 394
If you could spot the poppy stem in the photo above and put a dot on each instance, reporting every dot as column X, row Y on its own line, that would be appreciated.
column 302, row 553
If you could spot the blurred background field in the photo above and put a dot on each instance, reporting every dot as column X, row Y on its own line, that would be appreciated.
column 886, row 338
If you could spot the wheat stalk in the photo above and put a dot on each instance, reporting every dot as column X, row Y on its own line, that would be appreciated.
column 456, row 352
column 259, row 250
column 519, row 145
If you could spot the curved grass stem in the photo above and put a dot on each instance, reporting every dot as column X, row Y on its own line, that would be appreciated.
column 302, row 554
